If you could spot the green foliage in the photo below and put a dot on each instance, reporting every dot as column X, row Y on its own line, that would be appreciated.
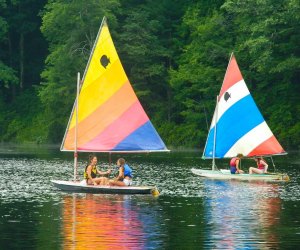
column 7, row 76
column 3, row 28
column 174, row 52
column 141, row 47
column 267, row 32
column 198, row 78
column 21, row 45
column 71, row 29
column 143, row 54
column 181, row 136
column 22, row 125
column 262, row 35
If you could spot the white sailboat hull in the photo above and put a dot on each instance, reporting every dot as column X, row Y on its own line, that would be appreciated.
column 82, row 187
column 226, row 175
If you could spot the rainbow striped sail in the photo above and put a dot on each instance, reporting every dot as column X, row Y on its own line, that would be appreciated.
column 110, row 116
column 237, row 125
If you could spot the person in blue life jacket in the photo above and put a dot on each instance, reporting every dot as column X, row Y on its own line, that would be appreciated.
column 234, row 165
column 91, row 171
column 124, row 177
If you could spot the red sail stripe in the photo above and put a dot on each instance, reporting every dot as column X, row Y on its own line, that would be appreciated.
column 268, row 147
column 233, row 75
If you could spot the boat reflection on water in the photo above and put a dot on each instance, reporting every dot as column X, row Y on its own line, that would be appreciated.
column 241, row 215
column 103, row 222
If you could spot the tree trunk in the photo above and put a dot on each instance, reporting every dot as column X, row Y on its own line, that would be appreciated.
column 21, row 60
column 12, row 86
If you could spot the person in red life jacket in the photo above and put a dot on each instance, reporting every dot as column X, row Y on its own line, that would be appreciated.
column 91, row 171
column 234, row 165
column 262, row 166
column 124, row 177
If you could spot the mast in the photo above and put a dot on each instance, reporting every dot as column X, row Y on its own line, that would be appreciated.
column 77, row 98
column 215, row 135
column 85, row 71
column 216, row 117
column 76, row 128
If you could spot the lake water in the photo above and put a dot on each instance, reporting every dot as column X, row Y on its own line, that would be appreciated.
column 190, row 213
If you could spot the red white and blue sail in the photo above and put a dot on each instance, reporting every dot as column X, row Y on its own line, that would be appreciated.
column 237, row 126
column 110, row 116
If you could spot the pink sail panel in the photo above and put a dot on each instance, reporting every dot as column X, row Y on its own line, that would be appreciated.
column 103, row 116
column 117, row 131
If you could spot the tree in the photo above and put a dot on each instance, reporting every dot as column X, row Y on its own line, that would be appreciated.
column 22, row 51
column 149, row 45
column 197, row 79
column 23, row 42
column 267, row 36
column 71, row 29
column 7, row 74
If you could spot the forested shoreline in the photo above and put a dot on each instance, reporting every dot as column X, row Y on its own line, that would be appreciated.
column 175, row 54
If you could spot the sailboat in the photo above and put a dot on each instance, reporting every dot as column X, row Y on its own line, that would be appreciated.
column 238, row 127
column 107, row 116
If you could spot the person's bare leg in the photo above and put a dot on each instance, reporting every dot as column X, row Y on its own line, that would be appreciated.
column 116, row 183
column 104, row 181
column 98, row 180
column 257, row 171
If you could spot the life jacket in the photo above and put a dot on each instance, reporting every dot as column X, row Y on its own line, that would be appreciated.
column 232, row 162
column 93, row 173
column 260, row 165
column 127, row 171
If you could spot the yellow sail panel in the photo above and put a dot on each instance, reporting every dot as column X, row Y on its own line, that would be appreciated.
column 111, row 110
column 99, row 92
column 104, row 77
column 99, row 63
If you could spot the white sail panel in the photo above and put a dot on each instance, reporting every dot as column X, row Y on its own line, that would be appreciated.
column 250, row 140
column 230, row 97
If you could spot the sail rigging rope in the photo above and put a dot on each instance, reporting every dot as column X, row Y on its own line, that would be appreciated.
column 273, row 163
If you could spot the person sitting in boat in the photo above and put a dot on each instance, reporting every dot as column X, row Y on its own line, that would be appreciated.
column 124, row 177
column 91, row 171
column 262, row 166
column 234, row 165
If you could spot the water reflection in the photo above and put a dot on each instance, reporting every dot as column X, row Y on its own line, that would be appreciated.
column 242, row 215
column 106, row 222
column 190, row 213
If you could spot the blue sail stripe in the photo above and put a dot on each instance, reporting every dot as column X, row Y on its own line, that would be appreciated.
column 144, row 138
column 237, row 121
column 208, row 151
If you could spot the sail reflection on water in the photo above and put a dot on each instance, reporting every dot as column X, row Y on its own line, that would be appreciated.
column 102, row 222
column 241, row 215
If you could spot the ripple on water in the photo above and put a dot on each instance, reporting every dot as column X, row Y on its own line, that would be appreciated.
column 197, row 209
column 32, row 181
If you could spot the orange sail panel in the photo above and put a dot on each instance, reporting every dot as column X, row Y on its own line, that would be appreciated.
column 110, row 116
